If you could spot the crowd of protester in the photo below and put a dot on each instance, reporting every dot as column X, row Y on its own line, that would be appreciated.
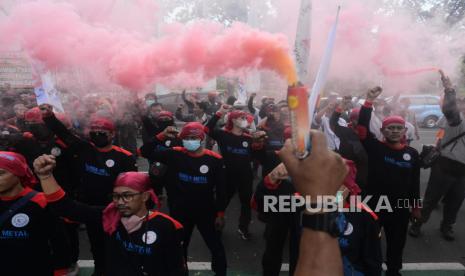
column 58, row 171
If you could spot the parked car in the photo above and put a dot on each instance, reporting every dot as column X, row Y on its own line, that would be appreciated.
column 427, row 109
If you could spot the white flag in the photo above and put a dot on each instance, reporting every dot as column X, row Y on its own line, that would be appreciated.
column 320, row 80
column 46, row 92
column 241, row 93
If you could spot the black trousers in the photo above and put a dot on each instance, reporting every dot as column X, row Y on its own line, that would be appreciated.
column 205, row 222
column 73, row 235
column 60, row 244
column 278, row 228
column 395, row 227
column 97, row 247
column 241, row 182
column 445, row 181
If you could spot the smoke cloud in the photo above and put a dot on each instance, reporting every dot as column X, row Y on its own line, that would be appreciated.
column 59, row 36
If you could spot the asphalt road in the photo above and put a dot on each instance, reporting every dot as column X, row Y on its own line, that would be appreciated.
column 244, row 257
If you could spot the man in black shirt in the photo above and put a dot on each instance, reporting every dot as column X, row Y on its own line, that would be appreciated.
column 26, row 223
column 196, row 189
column 98, row 163
column 235, row 144
column 393, row 173
column 138, row 241
column 160, row 142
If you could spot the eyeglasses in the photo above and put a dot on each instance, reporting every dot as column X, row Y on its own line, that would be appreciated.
column 126, row 197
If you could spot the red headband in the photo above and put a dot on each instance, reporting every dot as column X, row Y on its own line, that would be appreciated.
column 354, row 114
column 234, row 115
column 165, row 114
column 134, row 180
column 102, row 123
column 349, row 181
column 34, row 115
column 193, row 129
column 393, row 120
column 17, row 165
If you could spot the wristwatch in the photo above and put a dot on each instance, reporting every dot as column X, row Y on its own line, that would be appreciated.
column 325, row 222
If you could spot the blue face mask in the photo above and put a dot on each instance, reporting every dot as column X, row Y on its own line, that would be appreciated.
column 191, row 145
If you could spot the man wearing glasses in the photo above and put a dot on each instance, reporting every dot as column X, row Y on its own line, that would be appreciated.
column 138, row 240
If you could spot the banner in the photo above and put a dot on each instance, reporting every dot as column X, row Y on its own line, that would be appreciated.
column 46, row 92
column 320, row 80
column 241, row 92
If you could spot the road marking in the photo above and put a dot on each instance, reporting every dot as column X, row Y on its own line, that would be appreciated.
column 201, row 266
column 431, row 266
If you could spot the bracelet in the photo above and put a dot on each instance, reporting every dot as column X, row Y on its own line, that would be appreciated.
column 41, row 178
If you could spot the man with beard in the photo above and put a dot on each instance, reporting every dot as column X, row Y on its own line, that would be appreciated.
column 138, row 240
column 98, row 163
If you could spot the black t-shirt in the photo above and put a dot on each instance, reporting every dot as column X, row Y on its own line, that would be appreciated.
column 31, row 149
column 25, row 237
column 97, row 169
column 155, row 248
column 195, row 183
column 235, row 149
column 392, row 172
column 156, row 172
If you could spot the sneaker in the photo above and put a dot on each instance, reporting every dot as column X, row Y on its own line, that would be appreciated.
column 415, row 230
column 447, row 233
column 245, row 235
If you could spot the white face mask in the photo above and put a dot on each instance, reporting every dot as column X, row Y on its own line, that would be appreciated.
column 149, row 102
column 132, row 223
column 243, row 124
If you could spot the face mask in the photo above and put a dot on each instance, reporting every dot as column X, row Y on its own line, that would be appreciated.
column 191, row 145
column 100, row 140
column 242, row 124
column 149, row 102
column 132, row 223
column 40, row 132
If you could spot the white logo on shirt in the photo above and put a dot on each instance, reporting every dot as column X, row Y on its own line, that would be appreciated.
column 56, row 151
column 20, row 220
column 168, row 143
column 245, row 144
column 110, row 163
column 349, row 229
column 149, row 238
column 407, row 157
column 5, row 132
column 204, row 169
